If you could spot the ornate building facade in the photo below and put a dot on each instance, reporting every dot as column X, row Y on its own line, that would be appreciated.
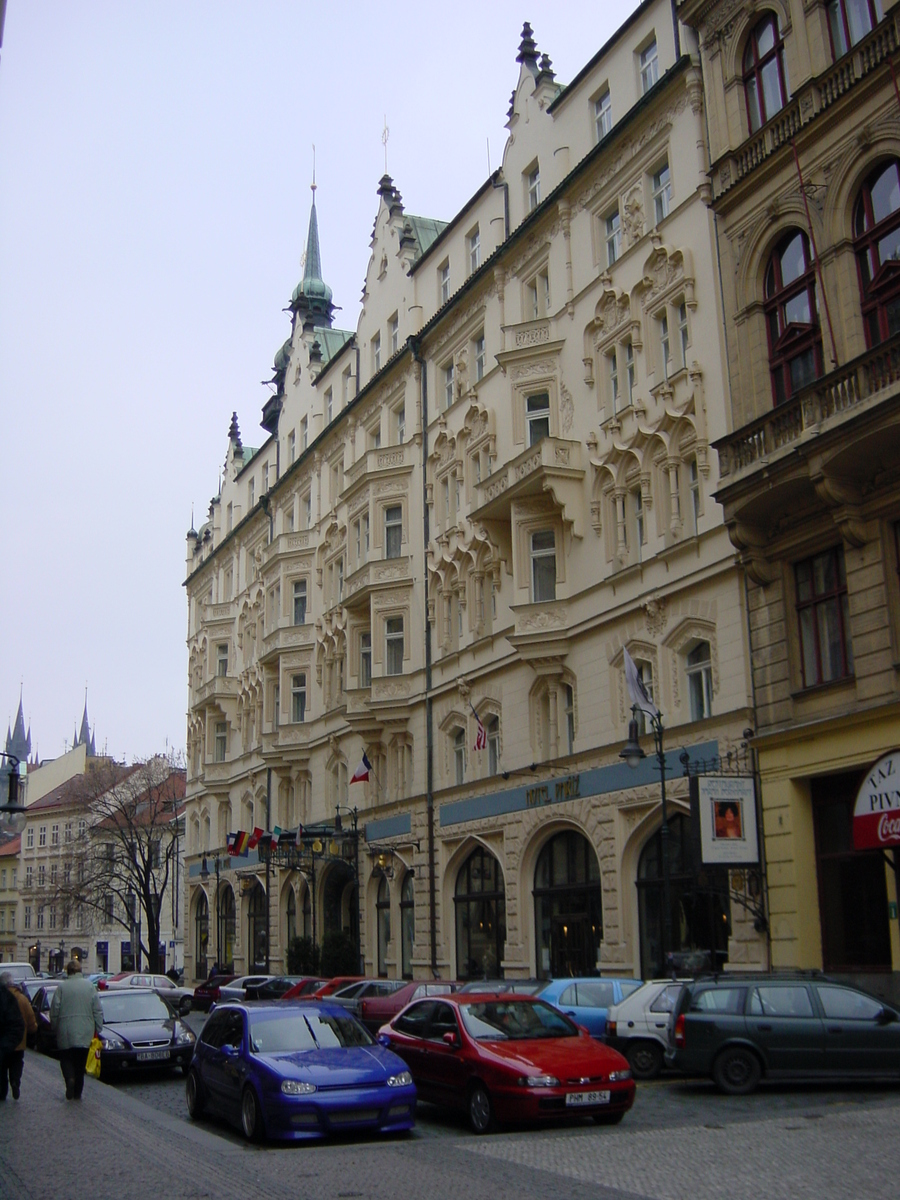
column 804, row 138
column 474, row 503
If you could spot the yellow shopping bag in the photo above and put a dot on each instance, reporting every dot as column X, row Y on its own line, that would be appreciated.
column 92, row 1066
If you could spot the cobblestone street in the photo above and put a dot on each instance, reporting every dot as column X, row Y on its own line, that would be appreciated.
column 133, row 1137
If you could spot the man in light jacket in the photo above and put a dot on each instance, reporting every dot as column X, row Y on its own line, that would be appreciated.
column 75, row 1017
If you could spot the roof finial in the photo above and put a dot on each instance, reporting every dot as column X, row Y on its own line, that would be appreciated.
column 313, row 184
column 385, row 134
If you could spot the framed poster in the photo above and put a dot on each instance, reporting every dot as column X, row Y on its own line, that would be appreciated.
column 727, row 812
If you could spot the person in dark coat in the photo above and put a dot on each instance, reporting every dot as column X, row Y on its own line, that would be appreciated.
column 12, row 1030
column 75, row 1017
column 13, row 1063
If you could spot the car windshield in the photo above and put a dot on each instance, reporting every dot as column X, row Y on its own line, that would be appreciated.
column 306, row 1031
column 514, row 1020
column 139, row 1006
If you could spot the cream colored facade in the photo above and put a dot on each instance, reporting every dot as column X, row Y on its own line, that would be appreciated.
column 811, row 482
column 9, row 898
column 475, row 502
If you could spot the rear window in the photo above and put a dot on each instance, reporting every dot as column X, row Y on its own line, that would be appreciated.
column 665, row 1001
column 595, row 995
column 629, row 986
column 769, row 1001
column 721, row 1000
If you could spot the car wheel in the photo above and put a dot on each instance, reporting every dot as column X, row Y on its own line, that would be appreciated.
column 251, row 1117
column 185, row 1069
column 480, row 1109
column 612, row 1118
column 193, row 1093
column 645, row 1059
column 185, row 1006
column 737, row 1071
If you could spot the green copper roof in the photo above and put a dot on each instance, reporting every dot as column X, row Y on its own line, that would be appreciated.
column 312, row 288
column 426, row 230
column 332, row 342
column 283, row 357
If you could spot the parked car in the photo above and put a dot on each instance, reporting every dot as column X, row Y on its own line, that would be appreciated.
column 141, row 1030
column 207, row 993
column 44, row 1038
column 376, row 1010
column 352, row 996
column 18, row 971
column 587, row 1000
column 273, row 988
column 304, row 988
column 742, row 1028
column 508, row 1058
column 238, row 986
column 180, row 998
column 638, row 1026
column 330, row 986
column 521, row 987
column 297, row 1070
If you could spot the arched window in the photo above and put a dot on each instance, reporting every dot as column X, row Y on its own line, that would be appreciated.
column 480, row 917
column 201, row 936
column 701, row 913
column 765, row 79
column 257, row 929
column 876, row 226
column 792, row 317
column 383, row 921
column 568, row 907
column 849, row 21
column 407, row 923
column 291, row 917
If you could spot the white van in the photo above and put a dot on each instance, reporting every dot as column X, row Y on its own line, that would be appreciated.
column 17, row 970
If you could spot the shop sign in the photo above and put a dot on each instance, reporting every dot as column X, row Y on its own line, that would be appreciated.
column 725, row 807
column 876, row 817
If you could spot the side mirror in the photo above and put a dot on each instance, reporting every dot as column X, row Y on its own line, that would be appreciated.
column 450, row 1039
column 886, row 1017
column 383, row 1040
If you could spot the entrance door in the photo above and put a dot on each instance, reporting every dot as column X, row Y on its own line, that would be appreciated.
column 571, row 952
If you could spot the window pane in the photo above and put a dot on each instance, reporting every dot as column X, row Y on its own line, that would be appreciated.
column 886, row 193
column 753, row 108
column 830, row 640
column 803, row 370
column 793, row 260
column 797, row 310
column 808, row 647
column 765, row 37
column 845, row 1005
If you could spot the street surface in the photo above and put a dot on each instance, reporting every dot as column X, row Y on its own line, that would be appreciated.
column 681, row 1140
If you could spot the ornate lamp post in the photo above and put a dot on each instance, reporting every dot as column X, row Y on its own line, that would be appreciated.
column 12, row 814
column 633, row 754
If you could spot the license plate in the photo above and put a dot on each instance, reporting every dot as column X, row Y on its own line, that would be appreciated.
column 158, row 1056
column 573, row 1099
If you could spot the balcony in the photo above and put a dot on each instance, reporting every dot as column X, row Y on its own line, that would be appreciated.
column 212, row 614
column 553, row 465
column 375, row 576
column 286, row 636
column 294, row 542
column 384, row 461
column 215, row 692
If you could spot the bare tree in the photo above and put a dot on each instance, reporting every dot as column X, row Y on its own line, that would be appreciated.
column 129, row 855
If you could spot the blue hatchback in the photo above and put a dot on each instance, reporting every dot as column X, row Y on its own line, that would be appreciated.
column 297, row 1070
column 588, row 1000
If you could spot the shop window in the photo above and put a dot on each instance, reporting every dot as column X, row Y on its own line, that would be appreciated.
column 407, row 923
column 823, row 618
column 480, row 903
column 383, row 922
column 792, row 317
column 876, row 227
column 765, row 79
column 568, row 907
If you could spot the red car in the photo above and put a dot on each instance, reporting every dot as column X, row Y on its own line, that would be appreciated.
column 207, row 993
column 335, row 985
column 303, row 987
column 374, row 1011
column 508, row 1058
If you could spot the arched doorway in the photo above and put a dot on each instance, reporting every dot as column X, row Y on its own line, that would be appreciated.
column 407, row 923
column 340, row 901
column 201, row 936
column 257, row 930
column 290, row 915
column 568, row 907
column 480, row 902
column 383, row 921
column 701, row 914
column 226, row 931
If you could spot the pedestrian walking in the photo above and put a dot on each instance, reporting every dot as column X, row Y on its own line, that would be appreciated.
column 14, row 1060
column 12, row 1029
column 75, row 1017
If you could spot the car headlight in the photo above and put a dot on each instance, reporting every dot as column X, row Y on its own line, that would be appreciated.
column 184, row 1036
column 294, row 1087
column 618, row 1076
column 538, row 1081
column 111, row 1041
column 404, row 1079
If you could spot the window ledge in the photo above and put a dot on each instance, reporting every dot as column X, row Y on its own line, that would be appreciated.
column 817, row 689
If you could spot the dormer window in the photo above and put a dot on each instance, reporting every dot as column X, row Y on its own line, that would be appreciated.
column 533, row 187
column 765, row 80
column 444, row 280
column 474, row 244
column 602, row 116
column 649, row 66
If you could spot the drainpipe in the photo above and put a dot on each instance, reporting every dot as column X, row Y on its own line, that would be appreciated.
column 415, row 346
column 505, row 187
column 268, row 868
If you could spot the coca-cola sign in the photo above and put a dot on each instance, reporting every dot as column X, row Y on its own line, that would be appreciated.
column 876, row 817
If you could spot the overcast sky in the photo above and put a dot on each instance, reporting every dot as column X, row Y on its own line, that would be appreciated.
column 154, row 201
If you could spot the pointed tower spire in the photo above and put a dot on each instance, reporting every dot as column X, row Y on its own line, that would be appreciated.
column 312, row 296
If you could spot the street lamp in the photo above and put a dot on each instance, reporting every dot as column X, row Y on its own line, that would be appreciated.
column 12, row 814
column 633, row 754
column 204, row 875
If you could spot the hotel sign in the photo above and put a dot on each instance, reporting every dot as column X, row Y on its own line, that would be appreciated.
column 876, row 817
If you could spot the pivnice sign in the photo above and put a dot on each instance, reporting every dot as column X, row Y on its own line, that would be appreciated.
column 876, row 817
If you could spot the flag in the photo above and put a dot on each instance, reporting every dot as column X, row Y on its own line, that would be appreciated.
column 638, row 694
column 229, row 843
column 239, row 845
column 276, row 834
column 254, row 838
column 361, row 774
column 298, row 836
column 480, row 732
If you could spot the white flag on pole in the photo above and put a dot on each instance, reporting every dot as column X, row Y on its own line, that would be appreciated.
column 639, row 695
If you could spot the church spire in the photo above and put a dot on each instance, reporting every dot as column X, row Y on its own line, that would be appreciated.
column 312, row 296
